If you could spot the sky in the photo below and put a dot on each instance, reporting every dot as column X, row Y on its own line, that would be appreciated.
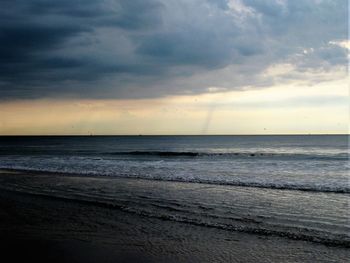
column 174, row 67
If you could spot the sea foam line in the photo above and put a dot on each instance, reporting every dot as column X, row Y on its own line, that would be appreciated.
column 345, row 189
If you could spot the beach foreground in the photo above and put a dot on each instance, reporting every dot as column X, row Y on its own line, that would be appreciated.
column 39, row 222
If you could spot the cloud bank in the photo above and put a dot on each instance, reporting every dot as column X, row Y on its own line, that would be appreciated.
column 154, row 48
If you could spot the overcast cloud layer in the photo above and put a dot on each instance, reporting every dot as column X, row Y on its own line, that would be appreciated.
column 153, row 48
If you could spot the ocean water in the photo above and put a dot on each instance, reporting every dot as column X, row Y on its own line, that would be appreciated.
column 315, row 163
column 292, row 186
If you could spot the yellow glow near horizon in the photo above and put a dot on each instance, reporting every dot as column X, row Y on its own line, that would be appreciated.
column 289, row 109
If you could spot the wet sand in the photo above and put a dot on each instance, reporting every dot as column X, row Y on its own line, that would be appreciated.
column 51, row 229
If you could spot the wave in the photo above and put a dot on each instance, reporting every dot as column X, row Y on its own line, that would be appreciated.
column 343, row 189
column 159, row 153
column 295, row 233
column 277, row 186
column 337, row 156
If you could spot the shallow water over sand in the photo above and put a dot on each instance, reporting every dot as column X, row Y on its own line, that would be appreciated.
column 151, row 221
column 299, row 215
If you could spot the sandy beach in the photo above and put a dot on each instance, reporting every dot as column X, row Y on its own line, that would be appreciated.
column 45, row 226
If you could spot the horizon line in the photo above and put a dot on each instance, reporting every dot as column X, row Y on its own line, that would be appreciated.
column 135, row 135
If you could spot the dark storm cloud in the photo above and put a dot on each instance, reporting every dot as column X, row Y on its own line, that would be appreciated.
column 148, row 48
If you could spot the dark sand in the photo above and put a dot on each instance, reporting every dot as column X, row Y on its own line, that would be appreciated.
column 36, row 228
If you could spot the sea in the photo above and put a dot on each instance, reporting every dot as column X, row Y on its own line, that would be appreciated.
column 292, row 186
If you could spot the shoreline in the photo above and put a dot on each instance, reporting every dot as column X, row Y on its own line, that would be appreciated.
column 77, row 227
column 203, row 182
